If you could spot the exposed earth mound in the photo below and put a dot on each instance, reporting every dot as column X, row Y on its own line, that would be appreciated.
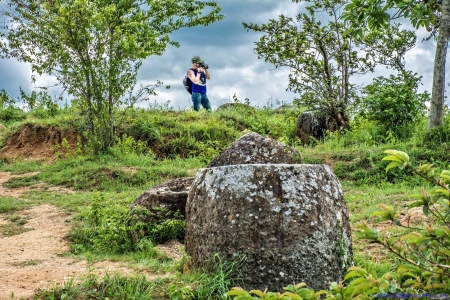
column 40, row 142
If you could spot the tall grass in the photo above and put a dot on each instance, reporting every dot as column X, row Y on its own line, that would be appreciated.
column 110, row 286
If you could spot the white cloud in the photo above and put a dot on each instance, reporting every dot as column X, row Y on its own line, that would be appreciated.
column 286, row 8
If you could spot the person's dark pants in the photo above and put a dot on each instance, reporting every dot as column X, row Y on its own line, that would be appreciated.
column 200, row 98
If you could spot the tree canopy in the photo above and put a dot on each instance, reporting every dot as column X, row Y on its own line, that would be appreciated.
column 365, row 15
column 322, row 58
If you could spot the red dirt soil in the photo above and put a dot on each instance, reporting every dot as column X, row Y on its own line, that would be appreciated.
column 38, row 142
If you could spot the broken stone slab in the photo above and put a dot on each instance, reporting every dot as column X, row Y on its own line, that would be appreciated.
column 170, row 195
column 253, row 148
column 162, row 202
column 290, row 221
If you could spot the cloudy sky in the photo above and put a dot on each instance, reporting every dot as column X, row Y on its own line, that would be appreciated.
column 226, row 47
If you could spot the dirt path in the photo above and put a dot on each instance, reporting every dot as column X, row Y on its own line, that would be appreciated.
column 32, row 259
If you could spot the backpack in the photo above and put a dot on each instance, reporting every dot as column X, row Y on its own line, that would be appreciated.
column 187, row 83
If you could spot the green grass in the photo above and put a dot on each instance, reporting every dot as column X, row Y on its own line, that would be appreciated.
column 29, row 262
column 15, row 225
column 25, row 181
column 22, row 167
column 362, row 201
column 106, row 173
column 11, row 204
column 115, row 286
column 110, row 286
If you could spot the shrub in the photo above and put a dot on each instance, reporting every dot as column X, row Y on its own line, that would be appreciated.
column 39, row 103
column 105, row 226
column 8, row 111
column 164, row 226
column 102, row 228
column 11, row 114
column 394, row 102
column 423, row 248
column 439, row 135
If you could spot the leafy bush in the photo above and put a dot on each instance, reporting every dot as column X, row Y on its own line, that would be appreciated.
column 64, row 150
column 106, row 224
column 9, row 112
column 161, row 225
column 127, row 145
column 394, row 102
column 145, row 131
column 39, row 103
column 167, row 230
column 439, row 135
column 103, row 228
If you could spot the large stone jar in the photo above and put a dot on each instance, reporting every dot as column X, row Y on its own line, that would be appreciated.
column 290, row 221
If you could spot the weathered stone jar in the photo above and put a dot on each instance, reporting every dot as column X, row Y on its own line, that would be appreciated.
column 290, row 221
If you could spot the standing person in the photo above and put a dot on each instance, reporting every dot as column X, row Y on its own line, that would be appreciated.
column 198, row 74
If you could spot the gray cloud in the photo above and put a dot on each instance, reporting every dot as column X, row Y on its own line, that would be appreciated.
column 13, row 75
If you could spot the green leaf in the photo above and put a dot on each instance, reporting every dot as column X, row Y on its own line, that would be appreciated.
column 444, row 192
column 420, row 14
column 411, row 236
column 257, row 292
column 410, row 281
column 393, row 164
column 237, row 292
column 426, row 210
column 407, row 268
column 292, row 296
column 355, row 273
column 416, row 204
column 390, row 275
column 348, row 31
column 361, row 287
column 317, row 294
column 392, row 157
column 399, row 154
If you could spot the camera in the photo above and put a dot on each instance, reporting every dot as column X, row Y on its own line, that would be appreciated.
column 204, row 66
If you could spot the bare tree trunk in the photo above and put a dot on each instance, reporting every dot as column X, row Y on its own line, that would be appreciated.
column 437, row 93
column 342, row 120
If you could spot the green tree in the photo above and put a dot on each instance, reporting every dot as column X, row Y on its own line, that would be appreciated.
column 432, row 15
column 393, row 101
column 95, row 48
column 322, row 60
